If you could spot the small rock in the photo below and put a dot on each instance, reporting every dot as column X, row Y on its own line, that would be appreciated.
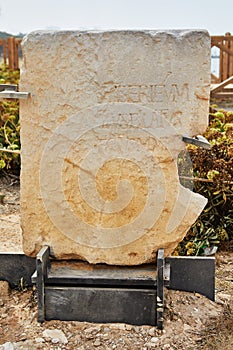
column 151, row 332
column 4, row 315
column 97, row 343
column 54, row 335
column 39, row 340
column 198, row 321
column 137, row 329
column 89, row 336
column 105, row 336
column 8, row 346
column 187, row 327
column 1, row 302
column 16, row 299
column 154, row 340
column 219, row 301
column 92, row 330
column 22, row 337
column 119, row 326
column 224, row 297
column 55, row 341
column 150, row 345
column 128, row 327
column 4, row 289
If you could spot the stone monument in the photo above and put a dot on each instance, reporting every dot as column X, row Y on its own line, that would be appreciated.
column 101, row 133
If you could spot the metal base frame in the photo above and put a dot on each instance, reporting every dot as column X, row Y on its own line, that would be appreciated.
column 103, row 293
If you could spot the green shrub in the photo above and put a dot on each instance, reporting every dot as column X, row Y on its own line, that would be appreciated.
column 9, row 125
column 213, row 170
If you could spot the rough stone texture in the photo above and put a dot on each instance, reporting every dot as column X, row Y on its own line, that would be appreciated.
column 56, row 336
column 4, row 289
column 100, row 136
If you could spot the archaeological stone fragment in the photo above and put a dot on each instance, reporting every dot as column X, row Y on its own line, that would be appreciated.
column 101, row 133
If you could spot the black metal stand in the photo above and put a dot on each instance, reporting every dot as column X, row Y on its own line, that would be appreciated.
column 100, row 293
column 17, row 269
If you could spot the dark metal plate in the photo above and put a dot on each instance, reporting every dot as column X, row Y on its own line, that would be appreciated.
column 104, row 305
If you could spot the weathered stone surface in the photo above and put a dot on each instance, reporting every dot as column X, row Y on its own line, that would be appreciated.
column 100, row 136
column 56, row 336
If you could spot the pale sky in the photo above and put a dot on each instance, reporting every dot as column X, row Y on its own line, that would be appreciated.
column 28, row 15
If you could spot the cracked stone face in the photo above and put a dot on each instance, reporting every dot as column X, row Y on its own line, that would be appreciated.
column 100, row 135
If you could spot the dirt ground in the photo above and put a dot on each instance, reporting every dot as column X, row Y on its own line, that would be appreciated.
column 191, row 321
column 10, row 237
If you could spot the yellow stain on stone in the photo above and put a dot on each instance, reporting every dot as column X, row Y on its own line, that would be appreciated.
column 107, row 180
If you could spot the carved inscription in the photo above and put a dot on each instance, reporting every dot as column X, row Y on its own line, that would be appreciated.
column 153, row 93
column 158, row 118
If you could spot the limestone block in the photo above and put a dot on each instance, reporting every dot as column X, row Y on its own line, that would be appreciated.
column 100, row 138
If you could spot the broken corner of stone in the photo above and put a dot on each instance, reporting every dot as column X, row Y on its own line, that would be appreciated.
column 101, row 134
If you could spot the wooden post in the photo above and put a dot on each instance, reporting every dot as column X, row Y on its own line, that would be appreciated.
column 13, row 52
column 230, row 57
column 10, row 47
column 225, row 60
column 221, row 64
column 225, row 44
column 4, row 51
column 16, row 54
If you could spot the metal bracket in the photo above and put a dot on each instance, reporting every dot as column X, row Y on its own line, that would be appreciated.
column 166, row 273
column 8, row 87
column 42, row 264
column 198, row 141
column 192, row 274
column 10, row 91
column 160, row 288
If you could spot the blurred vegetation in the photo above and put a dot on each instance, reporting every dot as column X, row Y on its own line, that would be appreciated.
column 213, row 178
column 9, row 125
